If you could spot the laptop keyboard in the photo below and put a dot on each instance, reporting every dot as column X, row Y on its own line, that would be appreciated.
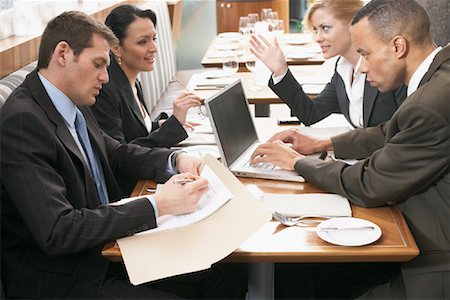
column 260, row 166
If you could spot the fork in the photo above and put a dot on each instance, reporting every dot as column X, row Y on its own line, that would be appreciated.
column 292, row 221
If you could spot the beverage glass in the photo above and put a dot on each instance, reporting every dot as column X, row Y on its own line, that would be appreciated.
column 230, row 64
column 265, row 14
column 250, row 64
column 243, row 25
column 253, row 18
column 278, row 27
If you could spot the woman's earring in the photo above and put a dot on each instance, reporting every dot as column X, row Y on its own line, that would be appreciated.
column 119, row 60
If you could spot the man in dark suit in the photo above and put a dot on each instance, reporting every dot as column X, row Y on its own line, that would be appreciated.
column 404, row 161
column 57, row 179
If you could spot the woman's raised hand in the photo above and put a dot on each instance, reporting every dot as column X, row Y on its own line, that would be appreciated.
column 271, row 55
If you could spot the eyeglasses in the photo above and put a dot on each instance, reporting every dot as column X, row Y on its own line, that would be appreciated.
column 200, row 113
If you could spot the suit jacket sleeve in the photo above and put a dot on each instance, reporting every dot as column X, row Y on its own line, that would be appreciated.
column 415, row 155
column 116, row 118
column 308, row 111
column 45, row 185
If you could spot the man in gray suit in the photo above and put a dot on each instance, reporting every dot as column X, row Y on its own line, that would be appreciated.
column 404, row 161
column 57, row 178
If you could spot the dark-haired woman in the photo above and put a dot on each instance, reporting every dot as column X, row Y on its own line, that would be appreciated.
column 120, row 109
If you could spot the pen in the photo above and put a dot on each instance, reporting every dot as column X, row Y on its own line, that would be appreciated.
column 323, row 155
column 183, row 181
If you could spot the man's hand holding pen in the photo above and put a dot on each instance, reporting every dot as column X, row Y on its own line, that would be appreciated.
column 180, row 194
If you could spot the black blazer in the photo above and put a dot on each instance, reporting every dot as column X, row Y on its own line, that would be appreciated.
column 119, row 115
column 377, row 107
column 52, row 226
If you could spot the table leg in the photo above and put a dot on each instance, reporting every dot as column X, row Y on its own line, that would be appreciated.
column 260, row 281
column 262, row 110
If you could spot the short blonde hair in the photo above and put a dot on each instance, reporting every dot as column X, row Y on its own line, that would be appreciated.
column 343, row 10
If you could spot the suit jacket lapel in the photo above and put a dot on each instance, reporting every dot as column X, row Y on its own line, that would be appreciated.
column 440, row 58
column 369, row 97
column 62, row 132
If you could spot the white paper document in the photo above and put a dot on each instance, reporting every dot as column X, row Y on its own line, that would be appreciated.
column 331, row 205
column 197, row 245
column 217, row 195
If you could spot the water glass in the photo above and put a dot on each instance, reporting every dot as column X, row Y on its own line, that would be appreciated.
column 250, row 64
column 243, row 25
column 278, row 27
column 253, row 18
column 265, row 14
column 230, row 64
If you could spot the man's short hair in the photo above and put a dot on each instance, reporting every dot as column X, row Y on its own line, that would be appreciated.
column 74, row 27
column 389, row 18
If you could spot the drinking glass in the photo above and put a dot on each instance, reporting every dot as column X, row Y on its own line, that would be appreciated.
column 250, row 63
column 278, row 27
column 272, row 17
column 230, row 64
column 265, row 14
column 243, row 25
column 252, row 19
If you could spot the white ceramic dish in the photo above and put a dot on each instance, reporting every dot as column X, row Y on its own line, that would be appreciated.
column 215, row 74
column 202, row 150
column 229, row 35
column 349, row 237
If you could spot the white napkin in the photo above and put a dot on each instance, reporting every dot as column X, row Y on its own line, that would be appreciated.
column 308, row 204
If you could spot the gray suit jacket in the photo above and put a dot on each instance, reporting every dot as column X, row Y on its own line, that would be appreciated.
column 52, row 226
column 378, row 107
column 408, row 163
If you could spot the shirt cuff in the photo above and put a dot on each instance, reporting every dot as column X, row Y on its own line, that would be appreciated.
column 172, row 163
column 153, row 203
column 277, row 79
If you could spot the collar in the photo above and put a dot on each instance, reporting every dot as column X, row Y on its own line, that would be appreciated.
column 62, row 103
column 420, row 72
column 345, row 68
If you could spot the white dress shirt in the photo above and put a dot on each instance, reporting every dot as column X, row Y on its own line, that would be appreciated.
column 420, row 72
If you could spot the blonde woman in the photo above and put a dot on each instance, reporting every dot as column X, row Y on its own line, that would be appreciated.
column 348, row 92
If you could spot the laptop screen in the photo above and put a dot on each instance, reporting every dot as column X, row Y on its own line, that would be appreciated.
column 229, row 114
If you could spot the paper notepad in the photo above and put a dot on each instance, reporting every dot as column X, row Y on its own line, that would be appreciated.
column 308, row 204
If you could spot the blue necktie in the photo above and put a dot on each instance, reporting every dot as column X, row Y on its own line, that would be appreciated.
column 97, row 173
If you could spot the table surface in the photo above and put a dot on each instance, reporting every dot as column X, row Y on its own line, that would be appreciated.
column 312, row 77
column 277, row 243
column 212, row 57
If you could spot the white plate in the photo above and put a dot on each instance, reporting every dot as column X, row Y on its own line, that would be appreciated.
column 228, row 46
column 298, row 40
column 230, row 35
column 299, row 55
column 215, row 74
column 349, row 237
column 202, row 150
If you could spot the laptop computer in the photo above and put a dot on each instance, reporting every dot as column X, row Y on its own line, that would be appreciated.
column 236, row 136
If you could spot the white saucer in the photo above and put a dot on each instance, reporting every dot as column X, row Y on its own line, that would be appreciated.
column 298, row 40
column 228, row 46
column 215, row 74
column 229, row 35
column 349, row 237
column 299, row 55
column 202, row 150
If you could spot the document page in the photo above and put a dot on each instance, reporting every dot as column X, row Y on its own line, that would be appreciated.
column 217, row 195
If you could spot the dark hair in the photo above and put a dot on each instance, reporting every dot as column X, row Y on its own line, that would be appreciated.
column 75, row 28
column 396, row 17
column 122, row 16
